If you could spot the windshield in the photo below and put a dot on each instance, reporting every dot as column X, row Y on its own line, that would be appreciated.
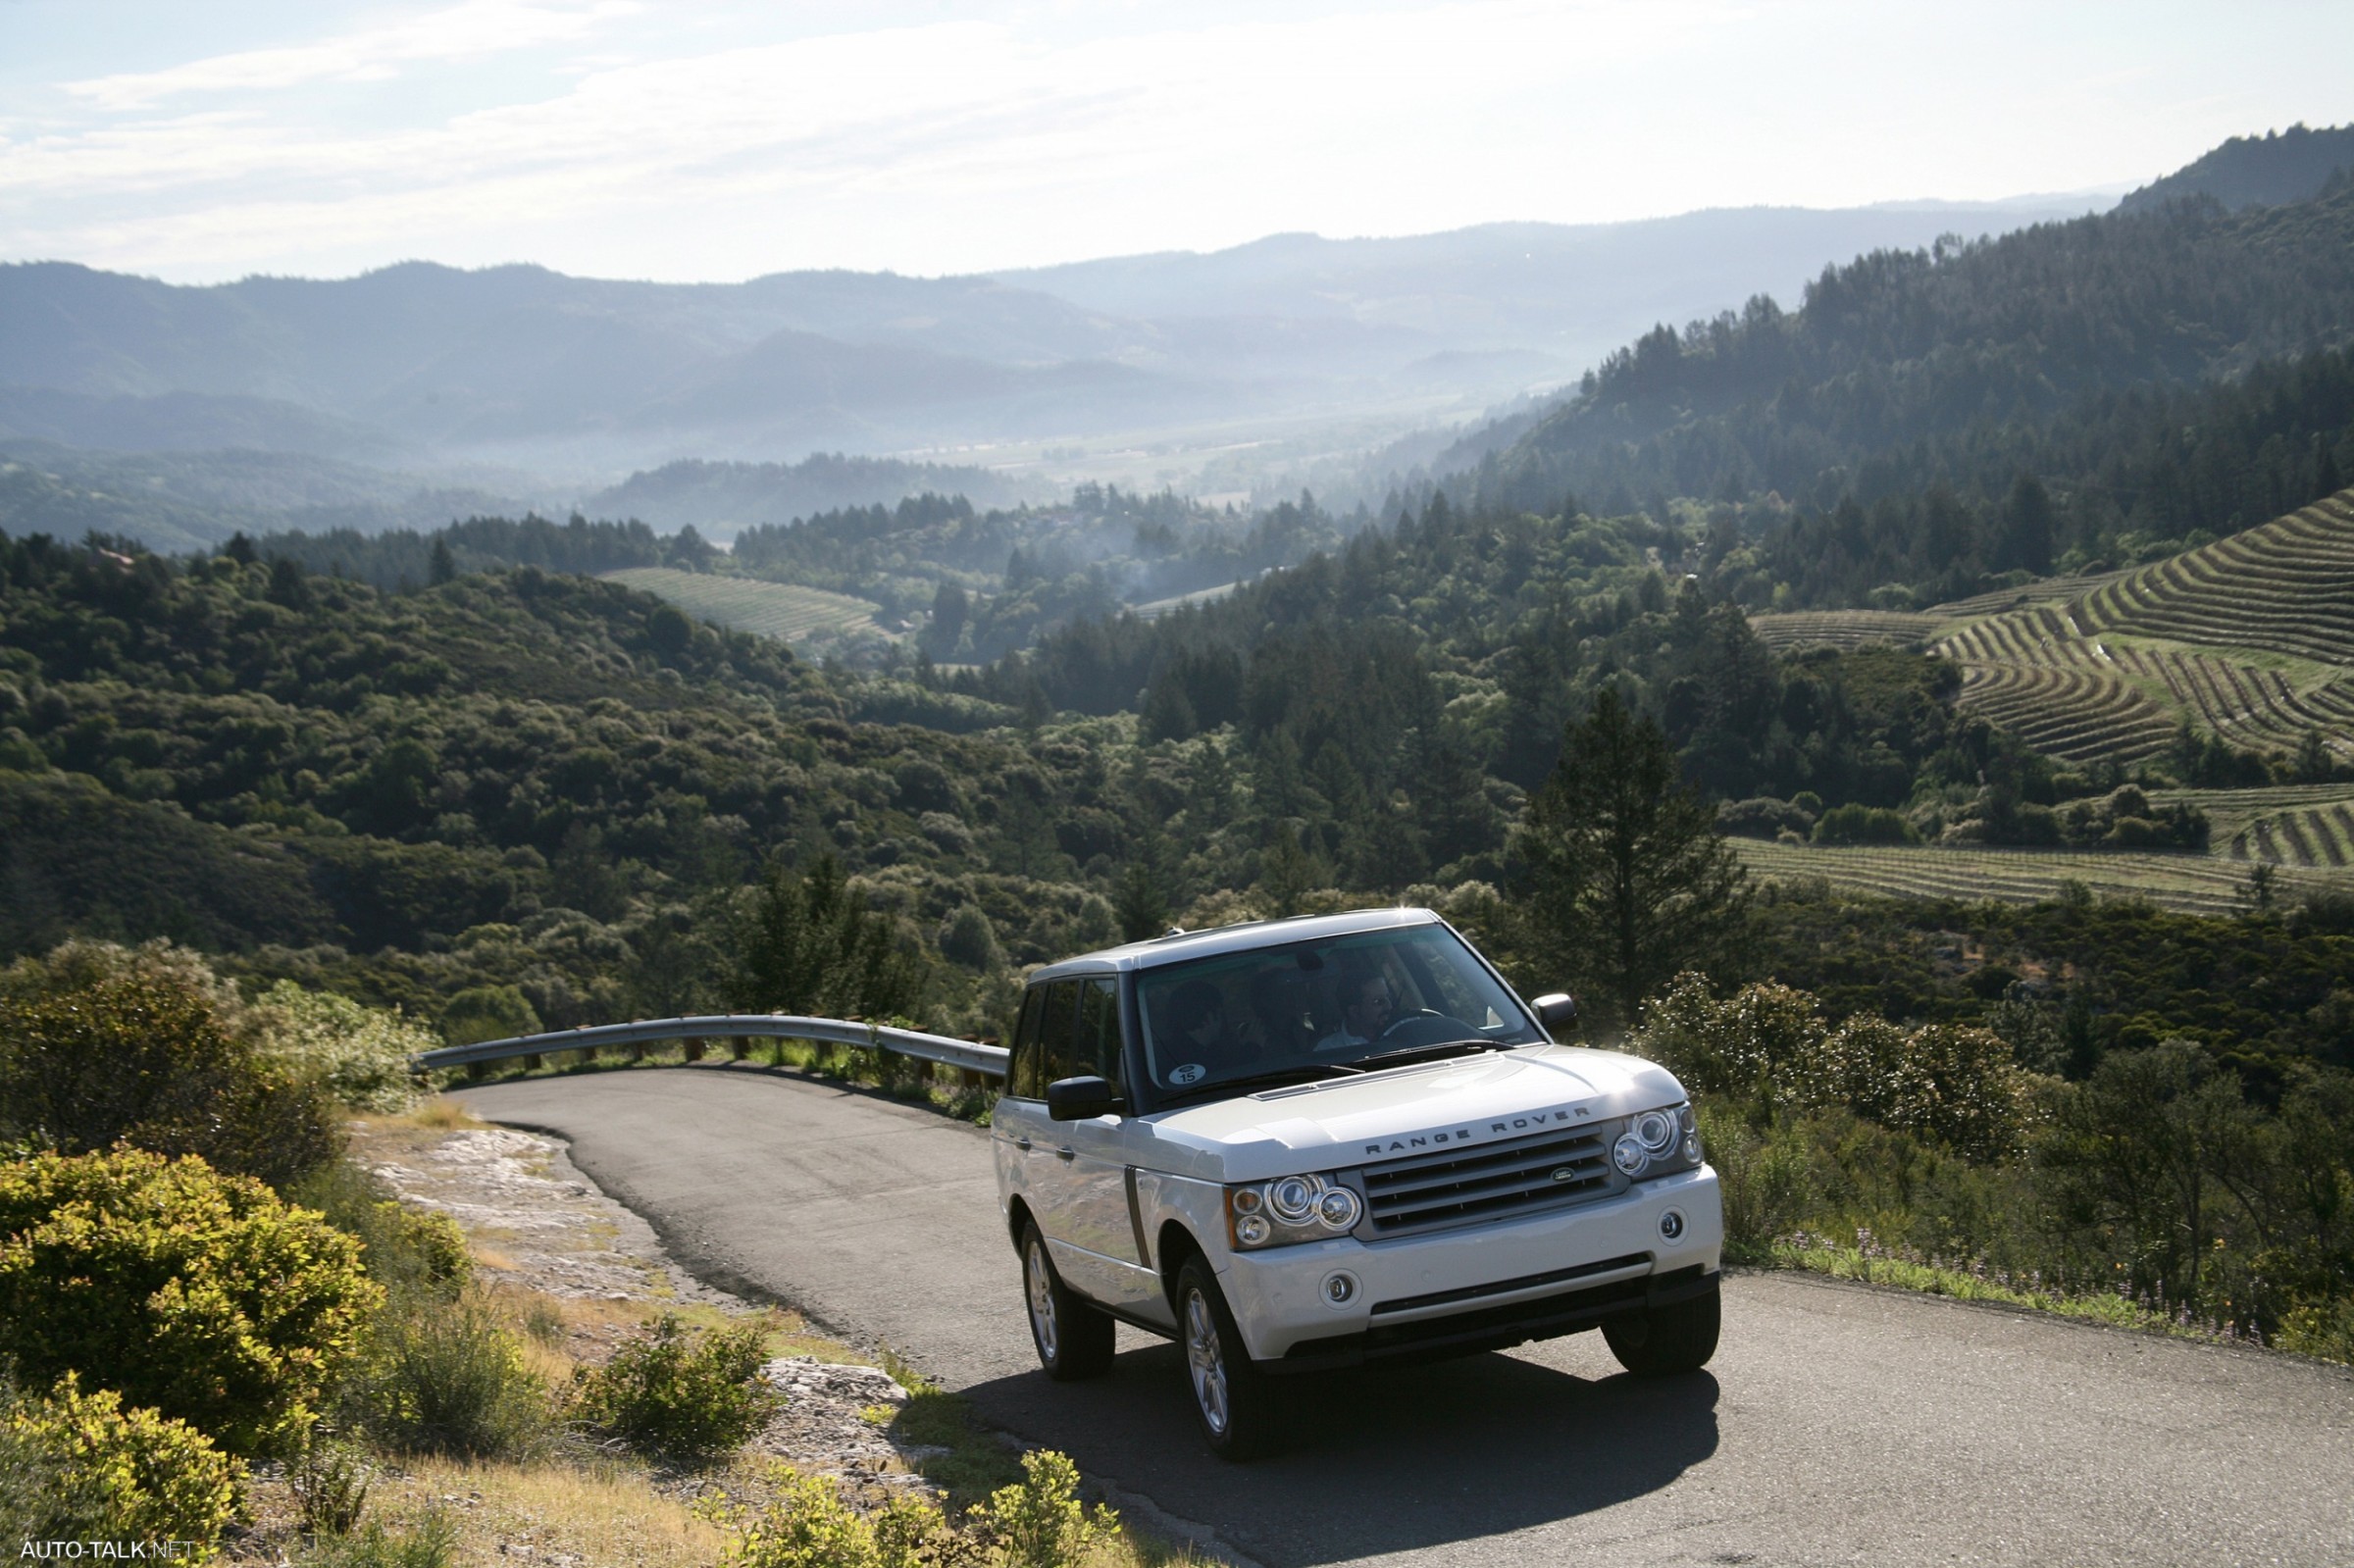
column 1305, row 1006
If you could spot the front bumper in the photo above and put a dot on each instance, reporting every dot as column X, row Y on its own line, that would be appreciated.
column 1478, row 1288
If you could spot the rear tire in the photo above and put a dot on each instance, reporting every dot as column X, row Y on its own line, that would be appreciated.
column 1667, row 1340
column 1073, row 1336
column 1232, row 1401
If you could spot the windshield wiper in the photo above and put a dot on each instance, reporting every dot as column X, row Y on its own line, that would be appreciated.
column 1443, row 1049
column 1274, row 1076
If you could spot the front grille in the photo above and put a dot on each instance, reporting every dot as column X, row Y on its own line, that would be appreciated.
column 1494, row 1182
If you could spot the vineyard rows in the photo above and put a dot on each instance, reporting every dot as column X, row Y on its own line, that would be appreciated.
column 2192, row 884
column 785, row 611
column 2050, row 590
column 2286, row 586
column 1843, row 629
column 2074, row 678
column 2294, row 825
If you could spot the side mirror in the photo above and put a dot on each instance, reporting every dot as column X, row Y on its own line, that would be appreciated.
column 1078, row 1099
column 1556, row 1010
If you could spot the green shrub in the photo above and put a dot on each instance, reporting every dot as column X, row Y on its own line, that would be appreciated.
column 2323, row 1329
column 1766, row 1049
column 92, row 1470
column 407, row 1250
column 680, row 1396
column 1041, row 1522
column 108, row 1045
column 808, row 1525
column 487, row 1012
column 430, row 1542
column 359, row 1054
column 1762, row 1178
column 331, row 1486
column 450, row 1378
column 1864, row 825
column 201, row 1295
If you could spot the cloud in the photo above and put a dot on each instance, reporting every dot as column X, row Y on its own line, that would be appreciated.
column 713, row 142
column 472, row 31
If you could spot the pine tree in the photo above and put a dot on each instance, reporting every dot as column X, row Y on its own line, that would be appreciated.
column 1627, row 883
column 810, row 946
column 444, row 568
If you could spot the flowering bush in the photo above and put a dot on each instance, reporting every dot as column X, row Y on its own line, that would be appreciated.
column 1767, row 1045
column 359, row 1054
column 196, row 1293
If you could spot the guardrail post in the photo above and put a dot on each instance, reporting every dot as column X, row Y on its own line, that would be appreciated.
column 692, row 1048
column 638, row 1050
column 530, row 1063
column 739, row 1047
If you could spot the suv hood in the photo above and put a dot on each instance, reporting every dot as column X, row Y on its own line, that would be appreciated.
column 1334, row 1124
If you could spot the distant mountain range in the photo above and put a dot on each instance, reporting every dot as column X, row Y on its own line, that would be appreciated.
column 377, row 397
column 522, row 366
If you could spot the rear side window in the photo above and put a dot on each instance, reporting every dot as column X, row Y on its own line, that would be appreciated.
column 1058, row 1036
column 1022, row 1079
column 1098, row 1044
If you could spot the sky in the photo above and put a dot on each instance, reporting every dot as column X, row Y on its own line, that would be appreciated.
column 716, row 141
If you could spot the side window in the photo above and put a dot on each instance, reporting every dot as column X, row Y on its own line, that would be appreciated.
column 1021, row 1073
column 1058, row 1035
column 1099, row 1030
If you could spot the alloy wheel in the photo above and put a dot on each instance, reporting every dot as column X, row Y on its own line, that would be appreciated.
column 1206, row 1359
column 1040, row 1282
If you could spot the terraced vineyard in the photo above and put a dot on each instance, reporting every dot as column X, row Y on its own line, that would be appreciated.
column 1844, row 628
column 2249, row 638
column 2048, row 591
column 2194, row 883
column 2293, row 825
column 2286, row 586
column 781, row 610
column 2031, row 672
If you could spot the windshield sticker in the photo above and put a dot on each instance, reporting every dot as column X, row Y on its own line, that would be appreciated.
column 1190, row 1073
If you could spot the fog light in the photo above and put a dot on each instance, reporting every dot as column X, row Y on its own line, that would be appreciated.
column 1671, row 1224
column 1629, row 1154
column 1340, row 1289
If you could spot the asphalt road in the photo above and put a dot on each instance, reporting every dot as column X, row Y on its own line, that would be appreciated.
column 1837, row 1424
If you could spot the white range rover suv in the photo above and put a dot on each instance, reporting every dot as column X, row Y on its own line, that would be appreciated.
column 1318, row 1142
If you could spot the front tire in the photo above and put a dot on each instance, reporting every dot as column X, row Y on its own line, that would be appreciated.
column 1073, row 1336
column 1667, row 1340
column 1232, row 1401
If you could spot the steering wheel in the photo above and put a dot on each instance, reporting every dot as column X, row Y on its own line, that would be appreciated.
column 1425, row 1027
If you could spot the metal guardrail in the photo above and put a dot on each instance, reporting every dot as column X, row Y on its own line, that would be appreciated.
column 967, row 1054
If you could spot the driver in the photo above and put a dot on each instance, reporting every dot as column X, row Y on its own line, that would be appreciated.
column 1364, row 1012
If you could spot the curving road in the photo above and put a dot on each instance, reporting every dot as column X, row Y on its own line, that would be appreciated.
column 1837, row 1424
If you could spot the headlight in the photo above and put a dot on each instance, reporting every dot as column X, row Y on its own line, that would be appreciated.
column 1293, row 1198
column 1660, row 1143
column 1290, row 1209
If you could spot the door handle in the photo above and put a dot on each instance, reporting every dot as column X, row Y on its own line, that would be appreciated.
column 1022, row 1144
column 1066, row 1152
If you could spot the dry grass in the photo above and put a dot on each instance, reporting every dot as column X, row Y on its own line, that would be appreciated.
column 602, row 1516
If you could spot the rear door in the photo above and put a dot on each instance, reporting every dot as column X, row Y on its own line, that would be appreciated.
column 1104, row 1255
column 1019, row 1126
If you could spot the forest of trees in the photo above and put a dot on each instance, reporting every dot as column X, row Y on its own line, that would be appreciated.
column 2153, row 374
